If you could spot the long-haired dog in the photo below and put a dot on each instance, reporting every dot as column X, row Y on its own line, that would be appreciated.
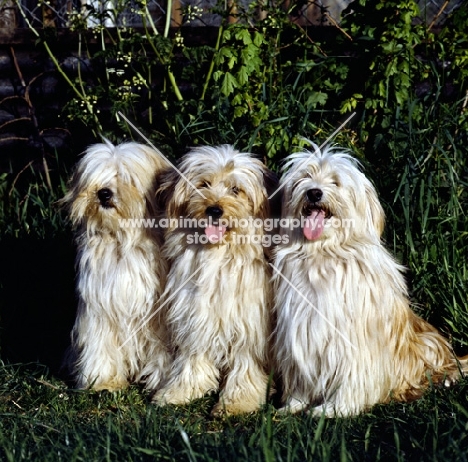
column 346, row 337
column 117, row 334
column 217, row 291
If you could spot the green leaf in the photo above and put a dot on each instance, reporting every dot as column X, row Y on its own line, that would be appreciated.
column 238, row 99
column 232, row 62
column 229, row 83
column 258, row 39
column 243, row 76
column 217, row 75
column 239, row 111
column 244, row 36
column 317, row 98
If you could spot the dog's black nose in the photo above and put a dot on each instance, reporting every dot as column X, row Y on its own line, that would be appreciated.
column 214, row 211
column 314, row 195
column 104, row 196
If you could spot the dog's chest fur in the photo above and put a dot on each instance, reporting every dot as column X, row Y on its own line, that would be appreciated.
column 224, row 299
column 123, row 276
column 330, row 319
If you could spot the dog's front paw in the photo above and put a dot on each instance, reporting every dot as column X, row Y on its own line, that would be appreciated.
column 112, row 384
column 331, row 410
column 174, row 396
column 293, row 405
column 165, row 396
column 222, row 408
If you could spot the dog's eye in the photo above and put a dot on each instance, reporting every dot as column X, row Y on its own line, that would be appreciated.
column 105, row 194
column 235, row 190
column 204, row 184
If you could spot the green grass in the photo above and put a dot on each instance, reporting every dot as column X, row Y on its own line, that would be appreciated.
column 28, row 200
column 424, row 187
column 42, row 419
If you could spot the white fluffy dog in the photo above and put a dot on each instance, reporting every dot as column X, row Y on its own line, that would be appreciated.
column 217, row 291
column 346, row 337
column 120, row 271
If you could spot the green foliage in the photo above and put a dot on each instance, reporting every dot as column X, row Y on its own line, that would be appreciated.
column 385, row 41
column 261, row 84
column 427, row 202
column 257, row 86
column 42, row 419
column 28, row 203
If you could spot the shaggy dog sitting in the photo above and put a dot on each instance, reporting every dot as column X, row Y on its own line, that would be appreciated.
column 217, row 292
column 346, row 336
column 121, row 274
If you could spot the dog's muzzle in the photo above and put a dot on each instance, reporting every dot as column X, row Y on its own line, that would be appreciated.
column 313, row 201
column 314, row 195
column 214, row 230
column 214, row 212
column 105, row 195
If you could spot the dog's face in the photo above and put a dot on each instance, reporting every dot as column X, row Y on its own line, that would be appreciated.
column 331, row 196
column 217, row 185
column 112, row 183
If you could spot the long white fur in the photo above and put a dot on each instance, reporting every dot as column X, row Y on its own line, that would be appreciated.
column 118, row 336
column 219, row 321
column 346, row 337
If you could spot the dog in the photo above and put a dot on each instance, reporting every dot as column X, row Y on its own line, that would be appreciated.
column 217, row 293
column 346, row 337
column 118, row 333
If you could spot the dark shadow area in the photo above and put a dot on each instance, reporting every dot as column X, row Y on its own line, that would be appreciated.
column 37, row 299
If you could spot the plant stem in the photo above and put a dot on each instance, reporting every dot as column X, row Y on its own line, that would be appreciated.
column 62, row 73
column 174, row 85
column 80, row 95
column 79, row 64
column 150, row 108
column 72, row 85
column 168, row 18
column 210, row 70
column 172, row 79
column 150, row 19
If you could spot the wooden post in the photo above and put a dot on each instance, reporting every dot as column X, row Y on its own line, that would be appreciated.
column 7, row 16
column 48, row 15
column 176, row 14
column 232, row 10
column 261, row 14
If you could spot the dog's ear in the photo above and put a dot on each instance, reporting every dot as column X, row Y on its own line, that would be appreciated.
column 163, row 186
column 153, row 207
column 262, row 203
column 75, row 200
column 156, row 157
column 375, row 215
column 171, row 194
